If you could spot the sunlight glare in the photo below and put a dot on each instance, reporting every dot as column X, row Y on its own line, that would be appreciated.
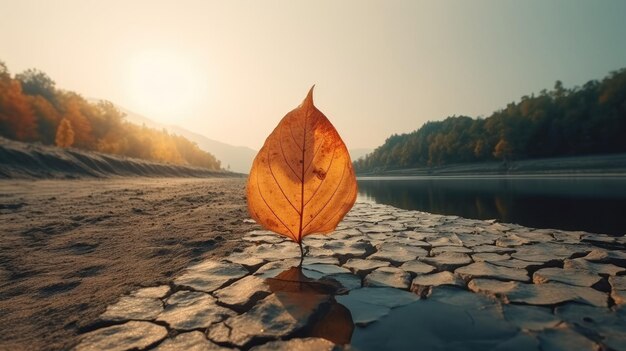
column 164, row 86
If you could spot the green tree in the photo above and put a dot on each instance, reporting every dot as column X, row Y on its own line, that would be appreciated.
column 36, row 82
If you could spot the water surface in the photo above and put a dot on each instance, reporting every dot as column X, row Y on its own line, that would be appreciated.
column 594, row 204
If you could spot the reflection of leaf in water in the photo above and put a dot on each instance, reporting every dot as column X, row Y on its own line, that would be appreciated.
column 293, row 280
column 336, row 325
column 299, row 294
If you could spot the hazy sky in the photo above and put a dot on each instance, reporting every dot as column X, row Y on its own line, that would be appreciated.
column 231, row 69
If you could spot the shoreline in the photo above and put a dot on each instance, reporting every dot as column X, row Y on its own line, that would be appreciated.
column 590, row 175
column 594, row 165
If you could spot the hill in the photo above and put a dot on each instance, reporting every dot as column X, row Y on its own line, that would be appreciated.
column 587, row 120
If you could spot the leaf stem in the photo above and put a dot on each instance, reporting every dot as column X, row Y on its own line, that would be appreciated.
column 301, row 253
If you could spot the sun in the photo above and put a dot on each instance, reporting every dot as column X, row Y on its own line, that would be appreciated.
column 165, row 86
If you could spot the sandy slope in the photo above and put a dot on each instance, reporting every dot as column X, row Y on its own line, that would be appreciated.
column 26, row 160
column 70, row 247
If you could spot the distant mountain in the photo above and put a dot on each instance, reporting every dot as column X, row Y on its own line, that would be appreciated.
column 238, row 158
column 356, row 154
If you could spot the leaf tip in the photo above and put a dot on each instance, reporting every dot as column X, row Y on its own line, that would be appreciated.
column 308, row 100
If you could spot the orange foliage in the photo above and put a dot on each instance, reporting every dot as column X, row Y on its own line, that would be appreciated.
column 65, row 134
column 302, row 181
column 73, row 106
column 17, row 120
column 50, row 116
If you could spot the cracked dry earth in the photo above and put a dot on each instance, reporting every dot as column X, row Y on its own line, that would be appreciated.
column 387, row 279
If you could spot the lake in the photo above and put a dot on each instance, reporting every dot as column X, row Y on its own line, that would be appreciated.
column 593, row 204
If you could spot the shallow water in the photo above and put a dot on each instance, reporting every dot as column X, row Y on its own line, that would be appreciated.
column 593, row 204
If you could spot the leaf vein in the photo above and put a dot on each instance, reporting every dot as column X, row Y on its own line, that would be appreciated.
column 331, row 197
column 269, row 163
column 294, row 138
column 280, row 140
column 322, row 182
column 314, row 154
column 269, row 207
column 339, row 209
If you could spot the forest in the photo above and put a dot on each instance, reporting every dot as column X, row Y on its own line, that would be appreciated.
column 32, row 109
column 561, row 122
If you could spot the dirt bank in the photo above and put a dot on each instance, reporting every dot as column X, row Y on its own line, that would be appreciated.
column 68, row 248
column 25, row 160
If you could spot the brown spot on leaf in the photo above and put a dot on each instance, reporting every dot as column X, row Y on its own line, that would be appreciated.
column 319, row 173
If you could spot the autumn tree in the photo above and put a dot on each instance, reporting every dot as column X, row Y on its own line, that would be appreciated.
column 33, row 109
column 502, row 150
column 17, row 120
column 73, row 109
column 65, row 134
column 479, row 149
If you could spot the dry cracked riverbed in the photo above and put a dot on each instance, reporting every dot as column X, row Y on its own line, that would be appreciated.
column 387, row 279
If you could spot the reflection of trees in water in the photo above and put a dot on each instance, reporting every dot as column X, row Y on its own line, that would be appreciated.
column 432, row 197
column 483, row 207
column 502, row 209
column 595, row 206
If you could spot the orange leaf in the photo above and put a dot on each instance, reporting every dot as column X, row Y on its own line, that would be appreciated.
column 302, row 181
